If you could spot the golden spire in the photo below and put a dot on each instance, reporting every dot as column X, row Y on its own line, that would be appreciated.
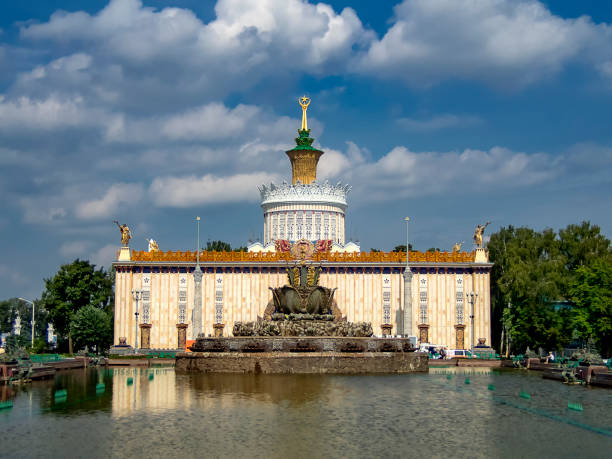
column 304, row 102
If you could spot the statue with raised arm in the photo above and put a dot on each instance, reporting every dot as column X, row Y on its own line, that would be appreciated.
column 304, row 102
column 126, row 234
column 478, row 234
column 457, row 246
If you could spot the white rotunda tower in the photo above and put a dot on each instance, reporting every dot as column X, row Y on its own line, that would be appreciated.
column 304, row 209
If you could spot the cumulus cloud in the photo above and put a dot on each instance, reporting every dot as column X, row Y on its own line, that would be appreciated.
column 74, row 249
column 104, row 256
column 213, row 121
column 141, row 58
column 208, row 189
column 508, row 42
column 43, row 209
column 184, row 59
column 48, row 114
column 117, row 195
column 403, row 172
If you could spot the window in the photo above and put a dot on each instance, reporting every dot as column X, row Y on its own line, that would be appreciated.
column 299, row 224
column 333, row 228
column 326, row 226
column 459, row 303
column 309, row 225
column 423, row 300
column 291, row 227
column 282, row 226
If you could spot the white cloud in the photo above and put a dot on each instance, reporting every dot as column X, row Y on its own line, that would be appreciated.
column 48, row 114
column 402, row 173
column 208, row 189
column 438, row 122
column 511, row 42
column 249, row 40
column 74, row 249
column 43, row 209
column 117, row 195
column 210, row 122
column 104, row 256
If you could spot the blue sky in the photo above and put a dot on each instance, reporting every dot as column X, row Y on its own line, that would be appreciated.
column 152, row 112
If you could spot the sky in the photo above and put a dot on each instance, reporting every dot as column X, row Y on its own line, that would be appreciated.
column 452, row 112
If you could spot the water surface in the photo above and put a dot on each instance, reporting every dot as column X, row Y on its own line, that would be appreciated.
column 161, row 414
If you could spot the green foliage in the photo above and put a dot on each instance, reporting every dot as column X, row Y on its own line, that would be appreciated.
column 91, row 326
column 40, row 345
column 14, row 342
column 532, row 270
column 218, row 246
column 75, row 286
column 402, row 248
column 8, row 312
column 591, row 293
column 222, row 246
column 374, row 250
column 434, row 249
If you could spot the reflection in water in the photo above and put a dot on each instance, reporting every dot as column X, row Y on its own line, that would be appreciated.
column 135, row 389
column 163, row 414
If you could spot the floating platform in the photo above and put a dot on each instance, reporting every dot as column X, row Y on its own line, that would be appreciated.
column 336, row 355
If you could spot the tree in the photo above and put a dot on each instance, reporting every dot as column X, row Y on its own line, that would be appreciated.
column 534, row 270
column 580, row 245
column 73, row 287
column 527, row 274
column 218, row 246
column 402, row 248
column 91, row 326
column 8, row 312
column 591, row 293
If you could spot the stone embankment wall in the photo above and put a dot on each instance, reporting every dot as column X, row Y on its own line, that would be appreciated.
column 299, row 363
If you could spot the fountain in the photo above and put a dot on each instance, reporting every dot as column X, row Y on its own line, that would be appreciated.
column 302, row 331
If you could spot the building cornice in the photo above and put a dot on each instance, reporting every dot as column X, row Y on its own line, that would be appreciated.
column 278, row 264
column 312, row 193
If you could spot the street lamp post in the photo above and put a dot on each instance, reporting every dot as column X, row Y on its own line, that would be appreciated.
column 407, row 289
column 33, row 321
column 136, row 295
column 471, row 298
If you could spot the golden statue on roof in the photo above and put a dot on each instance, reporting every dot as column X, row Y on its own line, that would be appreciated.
column 304, row 103
column 478, row 234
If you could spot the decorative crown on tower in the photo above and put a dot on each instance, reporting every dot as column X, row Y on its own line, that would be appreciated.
column 304, row 157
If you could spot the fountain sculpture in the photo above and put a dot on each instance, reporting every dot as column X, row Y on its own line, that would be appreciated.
column 302, row 331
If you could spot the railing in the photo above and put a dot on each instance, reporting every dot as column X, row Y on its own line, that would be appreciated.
column 44, row 358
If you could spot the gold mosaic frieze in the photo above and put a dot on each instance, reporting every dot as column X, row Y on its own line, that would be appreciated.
column 331, row 257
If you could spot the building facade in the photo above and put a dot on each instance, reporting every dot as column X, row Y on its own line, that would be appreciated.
column 370, row 288
column 164, row 299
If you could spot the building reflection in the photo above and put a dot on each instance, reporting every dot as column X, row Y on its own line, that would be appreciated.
column 137, row 389
column 162, row 389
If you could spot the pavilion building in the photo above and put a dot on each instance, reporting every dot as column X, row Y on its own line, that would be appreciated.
column 181, row 294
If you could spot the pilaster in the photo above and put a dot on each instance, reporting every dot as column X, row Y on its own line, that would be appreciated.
column 197, row 302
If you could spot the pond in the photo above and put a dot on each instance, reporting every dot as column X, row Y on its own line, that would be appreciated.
column 449, row 411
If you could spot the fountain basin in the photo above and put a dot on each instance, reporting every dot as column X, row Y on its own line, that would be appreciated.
column 340, row 355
